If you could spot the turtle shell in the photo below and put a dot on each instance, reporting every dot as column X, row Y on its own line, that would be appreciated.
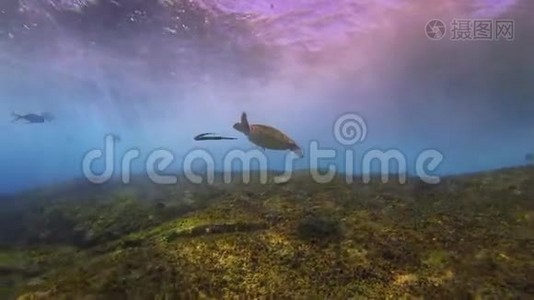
column 269, row 137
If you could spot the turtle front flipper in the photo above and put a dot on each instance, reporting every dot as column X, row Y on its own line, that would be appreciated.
column 244, row 121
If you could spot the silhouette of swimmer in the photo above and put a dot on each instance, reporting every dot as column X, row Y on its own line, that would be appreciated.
column 33, row 118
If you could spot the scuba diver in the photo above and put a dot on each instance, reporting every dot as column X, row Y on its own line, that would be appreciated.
column 33, row 118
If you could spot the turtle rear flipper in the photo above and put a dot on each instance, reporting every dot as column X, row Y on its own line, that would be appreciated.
column 296, row 149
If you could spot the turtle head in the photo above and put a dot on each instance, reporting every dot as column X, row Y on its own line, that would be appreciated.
column 241, row 128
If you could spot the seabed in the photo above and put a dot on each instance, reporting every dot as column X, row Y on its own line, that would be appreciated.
column 470, row 236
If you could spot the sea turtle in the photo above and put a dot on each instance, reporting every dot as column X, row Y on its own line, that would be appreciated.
column 266, row 137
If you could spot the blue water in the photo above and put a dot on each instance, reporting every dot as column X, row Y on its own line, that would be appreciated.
column 155, row 89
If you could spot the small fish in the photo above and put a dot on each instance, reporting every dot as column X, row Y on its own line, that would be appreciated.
column 33, row 118
column 205, row 137
column 529, row 157
column 169, row 30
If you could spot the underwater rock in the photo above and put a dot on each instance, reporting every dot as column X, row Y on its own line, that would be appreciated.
column 273, row 217
column 318, row 228
column 217, row 229
column 515, row 190
column 281, row 179
column 188, row 198
column 130, row 243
